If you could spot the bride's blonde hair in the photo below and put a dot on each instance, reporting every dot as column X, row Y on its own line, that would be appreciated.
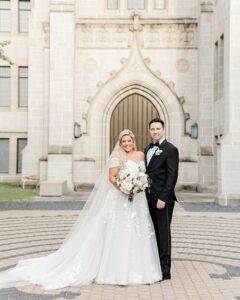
column 129, row 133
column 122, row 153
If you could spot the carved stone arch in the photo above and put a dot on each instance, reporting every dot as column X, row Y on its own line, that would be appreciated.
column 111, row 94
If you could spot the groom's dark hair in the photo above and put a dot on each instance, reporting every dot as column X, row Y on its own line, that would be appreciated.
column 156, row 120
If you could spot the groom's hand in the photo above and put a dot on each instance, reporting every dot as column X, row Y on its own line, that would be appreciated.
column 160, row 204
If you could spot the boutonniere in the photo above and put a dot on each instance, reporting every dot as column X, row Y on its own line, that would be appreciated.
column 158, row 152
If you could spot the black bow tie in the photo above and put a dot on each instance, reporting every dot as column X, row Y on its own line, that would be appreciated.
column 154, row 145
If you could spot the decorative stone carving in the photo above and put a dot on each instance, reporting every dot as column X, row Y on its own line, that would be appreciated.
column 120, row 36
column 147, row 60
column 171, row 84
column 186, row 116
column 136, row 22
column 187, row 36
column 89, row 99
column 103, row 36
column 181, row 100
column 46, row 30
column 123, row 60
column 113, row 73
column 182, row 65
column 156, row 35
column 158, row 74
column 85, row 36
column 170, row 36
column 99, row 84
column 152, row 36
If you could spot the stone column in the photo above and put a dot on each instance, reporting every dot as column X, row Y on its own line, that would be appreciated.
column 61, row 93
column 205, row 102
column 229, row 142
column 34, row 151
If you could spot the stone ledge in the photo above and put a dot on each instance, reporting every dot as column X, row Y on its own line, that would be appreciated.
column 55, row 149
column 53, row 188
column 227, row 199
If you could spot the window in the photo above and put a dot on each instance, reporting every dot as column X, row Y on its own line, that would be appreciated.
column 24, row 12
column 4, row 155
column 136, row 4
column 160, row 4
column 112, row 4
column 23, row 86
column 5, row 15
column 21, row 144
column 5, row 86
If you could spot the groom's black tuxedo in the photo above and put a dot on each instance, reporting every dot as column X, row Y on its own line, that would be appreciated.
column 163, row 172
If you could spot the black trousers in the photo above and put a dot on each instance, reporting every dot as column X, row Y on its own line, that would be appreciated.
column 162, row 223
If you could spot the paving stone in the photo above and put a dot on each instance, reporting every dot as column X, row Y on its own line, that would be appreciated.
column 205, row 250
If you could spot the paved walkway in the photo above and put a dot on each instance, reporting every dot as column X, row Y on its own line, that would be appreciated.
column 206, row 251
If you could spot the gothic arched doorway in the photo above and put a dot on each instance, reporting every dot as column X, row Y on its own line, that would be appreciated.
column 133, row 112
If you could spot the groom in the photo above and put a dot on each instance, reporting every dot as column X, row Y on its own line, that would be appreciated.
column 161, row 158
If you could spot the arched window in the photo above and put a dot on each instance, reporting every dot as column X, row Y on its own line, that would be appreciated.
column 112, row 4
column 136, row 4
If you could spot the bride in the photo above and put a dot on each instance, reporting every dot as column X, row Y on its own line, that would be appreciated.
column 112, row 242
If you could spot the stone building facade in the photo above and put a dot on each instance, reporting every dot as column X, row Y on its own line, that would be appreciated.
column 85, row 57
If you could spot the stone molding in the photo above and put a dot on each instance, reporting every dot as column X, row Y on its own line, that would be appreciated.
column 54, row 149
column 62, row 6
column 152, row 35
column 103, row 36
column 207, row 6
column 134, row 67
column 142, row 21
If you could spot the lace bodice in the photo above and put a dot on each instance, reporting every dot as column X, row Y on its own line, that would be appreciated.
column 132, row 164
column 115, row 162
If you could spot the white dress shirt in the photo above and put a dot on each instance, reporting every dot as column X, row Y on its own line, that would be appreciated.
column 152, row 150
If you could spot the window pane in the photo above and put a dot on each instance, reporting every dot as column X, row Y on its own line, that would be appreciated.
column 24, row 5
column 112, row 4
column 160, row 4
column 24, row 12
column 5, row 86
column 134, row 4
column 5, row 16
column 4, row 155
column 23, row 87
column 23, row 72
column 5, row 72
column 21, row 144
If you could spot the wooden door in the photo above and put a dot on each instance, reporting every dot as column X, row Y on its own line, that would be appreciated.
column 134, row 113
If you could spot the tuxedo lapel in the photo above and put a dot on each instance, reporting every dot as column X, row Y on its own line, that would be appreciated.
column 145, row 156
column 154, row 157
column 163, row 144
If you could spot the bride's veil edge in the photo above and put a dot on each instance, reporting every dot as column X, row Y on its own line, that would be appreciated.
column 95, row 201
column 46, row 270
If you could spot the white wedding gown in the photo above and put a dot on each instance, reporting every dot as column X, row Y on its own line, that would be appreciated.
column 120, row 248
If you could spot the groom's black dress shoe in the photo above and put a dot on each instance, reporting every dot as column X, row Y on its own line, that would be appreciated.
column 166, row 277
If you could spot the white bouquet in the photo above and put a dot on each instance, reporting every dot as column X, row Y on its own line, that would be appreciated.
column 132, row 181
